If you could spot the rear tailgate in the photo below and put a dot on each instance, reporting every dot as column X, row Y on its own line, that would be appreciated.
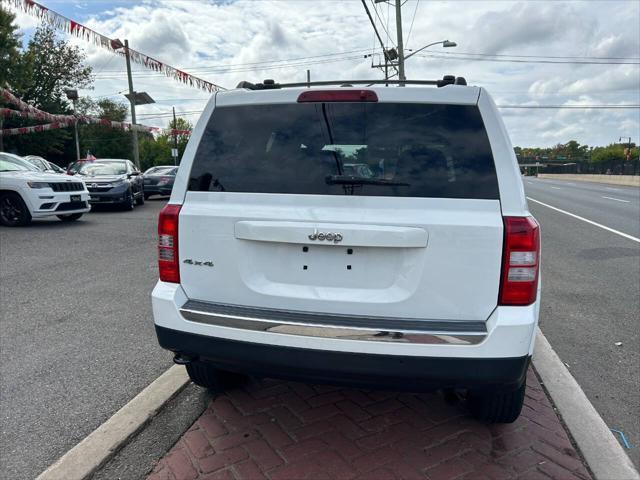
column 417, row 258
column 418, row 234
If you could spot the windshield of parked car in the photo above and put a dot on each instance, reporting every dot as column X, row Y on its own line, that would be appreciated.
column 97, row 168
column 14, row 164
column 156, row 170
column 37, row 162
column 377, row 149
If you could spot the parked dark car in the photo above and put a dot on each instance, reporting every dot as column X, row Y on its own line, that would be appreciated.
column 159, row 181
column 113, row 181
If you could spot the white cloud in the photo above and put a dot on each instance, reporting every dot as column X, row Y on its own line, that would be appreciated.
column 217, row 41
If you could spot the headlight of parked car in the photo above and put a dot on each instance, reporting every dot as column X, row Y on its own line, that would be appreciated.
column 38, row 184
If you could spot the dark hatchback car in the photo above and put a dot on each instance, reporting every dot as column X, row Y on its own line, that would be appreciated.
column 113, row 181
column 159, row 181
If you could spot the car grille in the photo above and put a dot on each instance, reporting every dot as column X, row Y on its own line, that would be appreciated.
column 67, row 186
column 71, row 206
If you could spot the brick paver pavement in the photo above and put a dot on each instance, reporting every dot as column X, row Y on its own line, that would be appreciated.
column 283, row 430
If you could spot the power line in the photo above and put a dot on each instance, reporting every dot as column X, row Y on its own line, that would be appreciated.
column 574, row 107
column 443, row 56
column 375, row 9
column 270, row 62
column 222, row 70
column 538, row 56
column 415, row 11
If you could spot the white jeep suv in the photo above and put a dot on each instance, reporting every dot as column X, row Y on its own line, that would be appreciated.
column 375, row 236
column 26, row 193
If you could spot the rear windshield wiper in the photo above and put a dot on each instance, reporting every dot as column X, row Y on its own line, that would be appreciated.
column 353, row 180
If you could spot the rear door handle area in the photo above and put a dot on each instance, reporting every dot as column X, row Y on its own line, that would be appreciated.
column 332, row 234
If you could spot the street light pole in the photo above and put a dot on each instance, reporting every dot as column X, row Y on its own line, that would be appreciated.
column 175, row 138
column 445, row 43
column 72, row 94
column 132, row 96
column 401, row 59
column 75, row 127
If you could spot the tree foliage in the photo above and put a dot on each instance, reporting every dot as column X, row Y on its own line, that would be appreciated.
column 102, row 141
column 9, row 43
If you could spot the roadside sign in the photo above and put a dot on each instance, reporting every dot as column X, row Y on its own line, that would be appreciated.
column 174, row 152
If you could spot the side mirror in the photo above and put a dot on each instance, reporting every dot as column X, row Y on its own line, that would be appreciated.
column 133, row 174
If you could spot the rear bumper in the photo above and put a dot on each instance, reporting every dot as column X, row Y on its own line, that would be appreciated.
column 396, row 372
column 157, row 190
column 498, row 358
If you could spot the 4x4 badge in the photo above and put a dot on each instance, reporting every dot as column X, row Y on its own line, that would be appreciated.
column 330, row 237
column 197, row 263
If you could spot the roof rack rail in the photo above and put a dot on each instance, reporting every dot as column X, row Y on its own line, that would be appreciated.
column 271, row 84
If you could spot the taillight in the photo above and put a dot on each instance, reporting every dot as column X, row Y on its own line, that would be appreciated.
column 338, row 96
column 168, row 264
column 520, row 261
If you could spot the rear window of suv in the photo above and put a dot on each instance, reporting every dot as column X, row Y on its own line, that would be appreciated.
column 374, row 149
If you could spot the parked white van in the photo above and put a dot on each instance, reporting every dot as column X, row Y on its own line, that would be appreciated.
column 373, row 236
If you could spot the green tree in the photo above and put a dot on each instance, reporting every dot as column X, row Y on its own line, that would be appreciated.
column 103, row 141
column 182, row 139
column 10, row 42
column 50, row 66
column 44, row 70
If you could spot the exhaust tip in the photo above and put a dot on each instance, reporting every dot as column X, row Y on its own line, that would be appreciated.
column 182, row 359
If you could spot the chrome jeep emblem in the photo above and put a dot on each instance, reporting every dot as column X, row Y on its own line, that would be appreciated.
column 329, row 236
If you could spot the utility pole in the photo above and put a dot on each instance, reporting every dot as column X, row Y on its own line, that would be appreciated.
column 401, row 75
column 75, row 128
column 175, row 138
column 132, row 101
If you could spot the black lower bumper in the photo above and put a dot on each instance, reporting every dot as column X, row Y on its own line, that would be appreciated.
column 352, row 369
column 119, row 197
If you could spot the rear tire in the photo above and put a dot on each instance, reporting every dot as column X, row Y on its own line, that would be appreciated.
column 140, row 200
column 69, row 218
column 146, row 196
column 503, row 407
column 13, row 210
column 216, row 380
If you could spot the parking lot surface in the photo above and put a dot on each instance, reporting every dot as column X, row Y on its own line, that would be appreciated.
column 77, row 337
column 283, row 430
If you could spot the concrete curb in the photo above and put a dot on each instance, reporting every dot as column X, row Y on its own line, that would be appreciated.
column 91, row 453
column 602, row 452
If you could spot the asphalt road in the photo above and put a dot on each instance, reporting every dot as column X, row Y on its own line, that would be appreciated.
column 77, row 339
column 591, row 293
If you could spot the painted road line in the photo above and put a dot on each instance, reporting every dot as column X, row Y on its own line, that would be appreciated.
column 591, row 222
column 612, row 188
column 616, row 199
column 86, row 457
column 557, row 188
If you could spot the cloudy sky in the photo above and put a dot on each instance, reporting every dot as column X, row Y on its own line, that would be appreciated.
column 527, row 54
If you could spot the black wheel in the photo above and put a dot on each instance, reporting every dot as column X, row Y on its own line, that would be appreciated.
column 13, row 210
column 146, row 196
column 140, row 200
column 70, row 218
column 208, row 376
column 130, row 201
column 501, row 407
